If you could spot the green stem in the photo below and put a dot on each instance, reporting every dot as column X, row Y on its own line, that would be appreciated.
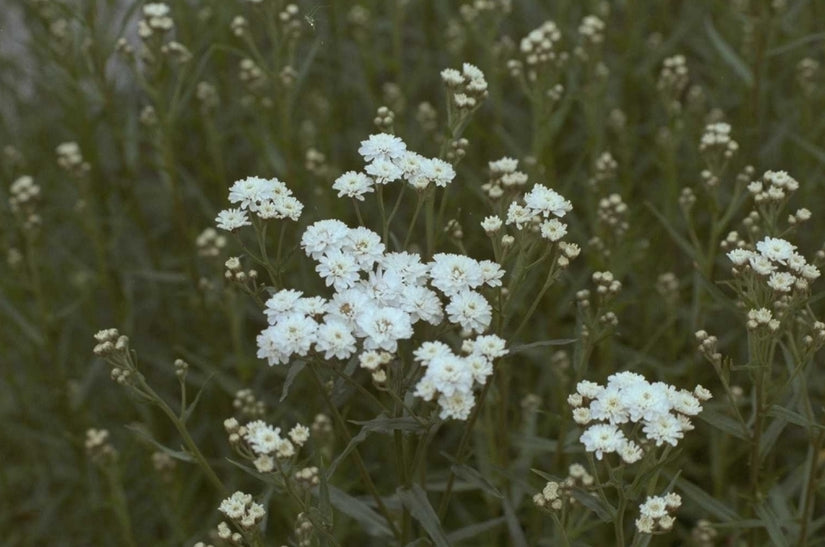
column 419, row 201
column 119, row 505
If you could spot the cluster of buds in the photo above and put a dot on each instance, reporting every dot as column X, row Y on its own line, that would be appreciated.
column 426, row 116
column 210, row 243
column 291, row 22
column 304, row 530
column 591, row 32
column 176, row 52
column 556, row 494
column 156, row 20
column 114, row 347
column 762, row 318
column 479, row 8
column 236, row 274
column 807, row 71
column 468, row 87
column 775, row 186
column 703, row 534
column 709, row 347
column 384, row 118
column 457, row 150
column 98, row 447
column 716, row 145
column 239, row 26
column 375, row 362
column 504, row 175
column 612, row 214
column 164, row 465
column 243, row 512
column 604, row 169
column 207, row 96
column 673, row 79
column 247, row 404
column 24, row 195
column 541, row 54
column 70, row 159
column 307, row 477
column 667, row 285
column 315, row 162
column 656, row 513
column 454, row 229
column 816, row 338
column 251, row 75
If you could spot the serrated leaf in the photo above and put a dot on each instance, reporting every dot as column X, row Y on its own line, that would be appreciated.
column 372, row 523
column 294, row 369
column 723, row 423
column 731, row 58
column 416, row 502
column 713, row 506
column 474, row 529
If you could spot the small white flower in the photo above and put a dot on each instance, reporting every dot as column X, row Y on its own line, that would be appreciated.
column 338, row 269
column 335, row 339
column 231, row 219
column 776, row 249
column 470, row 310
column 382, row 146
column 354, row 185
column 781, row 281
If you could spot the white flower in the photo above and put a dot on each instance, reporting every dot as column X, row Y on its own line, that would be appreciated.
column 589, row 389
column 544, row 201
column 262, row 437
column 299, row 434
column 382, row 146
column 335, row 339
column 739, row 256
column 231, row 219
column 602, row 439
column 323, row 235
column 383, row 171
column 490, row 346
column 234, row 506
column 457, row 406
column 761, row 264
column 519, row 215
column 776, row 249
column 451, row 273
column 407, row 265
column 428, row 351
column 353, row 185
column 365, row 246
column 384, row 327
column 439, row 171
column 781, row 281
column 347, row 305
column 293, row 333
column 553, row 229
column 450, row 373
column 480, row 366
column 281, row 302
column 470, row 310
column 610, row 406
column 269, row 347
column 338, row 269
column 491, row 273
column 630, row 452
column 646, row 401
column 423, row 304
column 491, row 224
column 654, row 507
column 664, row 428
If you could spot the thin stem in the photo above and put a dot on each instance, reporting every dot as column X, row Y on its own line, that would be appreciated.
column 419, row 201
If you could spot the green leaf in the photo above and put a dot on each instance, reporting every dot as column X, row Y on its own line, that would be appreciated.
column 474, row 476
column 711, row 505
column 683, row 243
column 541, row 344
column 724, row 423
column 513, row 526
column 372, row 523
column 380, row 424
column 809, row 147
column 604, row 511
column 191, row 408
column 147, row 437
column 731, row 58
column 26, row 328
column 416, row 502
column 294, row 369
column 792, row 417
column 474, row 529
column 771, row 523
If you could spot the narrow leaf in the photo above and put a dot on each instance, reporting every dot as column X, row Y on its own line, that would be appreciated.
column 731, row 58
column 792, row 417
column 473, row 476
column 191, row 408
column 294, row 369
column 771, row 523
column 676, row 236
column 415, row 500
column 541, row 344
column 711, row 505
column 604, row 511
column 513, row 525
column 147, row 437
column 474, row 529
column 359, row 511
column 723, row 423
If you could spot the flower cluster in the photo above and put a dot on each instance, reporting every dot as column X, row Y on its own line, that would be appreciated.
column 775, row 186
column 662, row 411
column 70, row 158
column 468, row 86
column 504, row 175
column 555, row 494
column 673, row 78
column 156, row 19
column 267, row 198
column 242, row 510
column 262, row 443
column 540, row 50
column 655, row 513
column 389, row 160
column 716, row 141
column 777, row 260
column 378, row 296
column 98, row 446
column 540, row 205
column 450, row 378
column 23, row 199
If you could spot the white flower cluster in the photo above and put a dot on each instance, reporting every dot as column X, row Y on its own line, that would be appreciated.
column 662, row 411
column 267, row 198
column 155, row 19
column 716, row 138
column 774, row 186
column 504, row 175
column 540, row 205
column 70, row 158
column 450, row 378
column 378, row 296
column 23, row 192
column 673, row 78
column 469, row 87
column 771, row 256
column 655, row 513
column 389, row 160
column 240, row 508
column 539, row 49
column 591, row 30
column 263, row 442
column 555, row 494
